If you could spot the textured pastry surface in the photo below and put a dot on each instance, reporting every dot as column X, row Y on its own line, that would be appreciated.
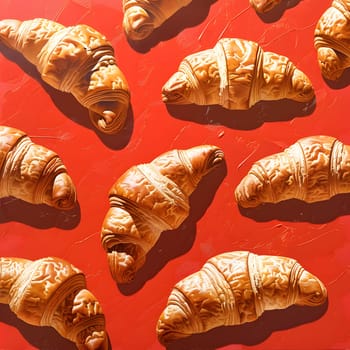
column 75, row 59
column 313, row 169
column 32, row 172
column 236, row 74
column 141, row 17
column 332, row 39
column 52, row 292
column 263, row 6
column 234, row 288
column 149, row 199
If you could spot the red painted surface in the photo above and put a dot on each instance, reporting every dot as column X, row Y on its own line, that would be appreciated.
column 317, row 235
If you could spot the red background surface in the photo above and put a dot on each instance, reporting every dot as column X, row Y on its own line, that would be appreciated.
column 317, row 235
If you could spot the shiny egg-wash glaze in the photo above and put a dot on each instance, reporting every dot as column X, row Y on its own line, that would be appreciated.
column 313, row 169
column 32, row 172
column 149, row 199
column 234, row 288
column 236, row 74
column 77, row 60
column 52, row 292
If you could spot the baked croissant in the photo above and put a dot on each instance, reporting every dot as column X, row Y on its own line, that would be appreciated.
column 52, row 292
column 234, row 288
column 149, row 199
column 263, row 6
column 75, row 59
column 313, row 169
column 332, row 39
column 236, row 74
column 32, row 172
column 141, row 17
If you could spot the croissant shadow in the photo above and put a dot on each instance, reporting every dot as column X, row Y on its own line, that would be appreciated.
column 252, row 333
column 188, row 16
column 256, row 116
column 43, row 338
column 172, row 244
column 277, row 12
column 340, row 83
column 37, row 215
column 68, row 105
column 295, row 210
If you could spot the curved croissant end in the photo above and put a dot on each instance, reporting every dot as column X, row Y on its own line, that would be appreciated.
column 311, row 291
column 263, row 6
column 331, row 63
column 137, row 23
column 301, row 87
column 63, row 194
column 174, row 322
column 177, row 89
column 249, row 192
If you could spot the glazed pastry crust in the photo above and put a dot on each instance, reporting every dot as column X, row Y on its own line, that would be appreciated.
column 52, row 292
column 332, row 39
column 313, row 169
column 149, row 199
column 141, row 17
column 77, row 60
column 236, row 74
column 234, row 288
column 32, row 172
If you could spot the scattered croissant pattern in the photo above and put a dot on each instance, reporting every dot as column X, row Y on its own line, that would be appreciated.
column 332, row 37
column 264, row 6
column 236, row 74
column 149, row 199
column 141, row 17
column 75, row 59
column 313, row 169
column 52, row 292
column 32, row 172
column 234, row 288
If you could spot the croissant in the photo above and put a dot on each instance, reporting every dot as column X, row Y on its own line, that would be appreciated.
column 52, row 292
column 141, row 17
column 32, row 172
column 234, row 288
column 263, row 6
column 75, row 59
column 313, row 169
column 149, row 199
column 332, row 39
column 236, row 74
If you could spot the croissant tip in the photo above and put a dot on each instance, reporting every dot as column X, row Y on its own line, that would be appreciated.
column 122, row 267
column 246, row 193
column 137, row 23
column 64, row 193
column 177, row 89
column 109, row 122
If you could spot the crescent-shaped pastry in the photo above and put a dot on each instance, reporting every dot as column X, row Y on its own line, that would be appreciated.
column 75, row 59
column 32, row 172
column 234, row 288
column 313, row 169
column 149, row 199
column 52, row 292
column 236, row 74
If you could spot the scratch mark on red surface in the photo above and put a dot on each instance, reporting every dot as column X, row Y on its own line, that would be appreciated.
column 232, row 19
column 339, row 276
column 86, row 238
column 247, row 158
column 315, row 238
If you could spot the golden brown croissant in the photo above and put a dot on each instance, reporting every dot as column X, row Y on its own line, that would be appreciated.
column 332, row 39
column 263, row 6
column 149, row 199
column 75, row 59
column 315, row 168
column 52, row 292
column 234, row 288
column 141, row 17
column 32, row 172
column 236, row 74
